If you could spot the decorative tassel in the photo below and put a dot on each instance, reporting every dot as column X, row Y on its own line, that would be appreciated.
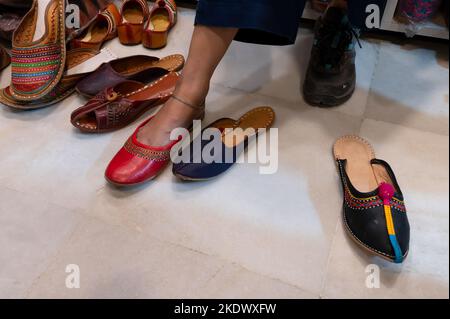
column 386, row 193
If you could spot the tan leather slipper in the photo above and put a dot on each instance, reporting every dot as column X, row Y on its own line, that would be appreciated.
column 235, row 137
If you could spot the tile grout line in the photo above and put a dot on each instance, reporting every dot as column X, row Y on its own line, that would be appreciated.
column 126, row 228
column 327, row 266
column 53, row 259
column 375, row 70
column 304, row 106
column 218, row 257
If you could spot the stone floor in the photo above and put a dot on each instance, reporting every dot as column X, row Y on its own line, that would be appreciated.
column 243, row 235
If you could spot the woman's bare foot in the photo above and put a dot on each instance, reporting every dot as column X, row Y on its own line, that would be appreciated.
column 208, row 46
column 174, row 114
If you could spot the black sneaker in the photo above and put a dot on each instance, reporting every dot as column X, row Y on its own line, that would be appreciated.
column 331, row 77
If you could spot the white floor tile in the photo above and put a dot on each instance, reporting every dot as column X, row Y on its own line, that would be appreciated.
column 115, row 263
column 411, row 87
column 234, row 282
column 423, row 176
column 280, row 71
column 31, row 233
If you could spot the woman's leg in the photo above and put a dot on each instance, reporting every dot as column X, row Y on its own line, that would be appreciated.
column 208, row 46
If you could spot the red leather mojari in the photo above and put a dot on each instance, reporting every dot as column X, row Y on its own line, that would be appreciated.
column 137, row 163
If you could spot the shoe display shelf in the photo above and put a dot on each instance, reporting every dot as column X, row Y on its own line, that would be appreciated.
column 435, row 28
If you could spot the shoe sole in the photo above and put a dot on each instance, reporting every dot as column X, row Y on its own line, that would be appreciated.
column 191, row 179
column 119, row 185
column 25, row 107
column 324, row 101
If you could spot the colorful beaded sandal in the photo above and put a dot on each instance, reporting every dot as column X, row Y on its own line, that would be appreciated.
column 61, row 91
column 374, row 209
column 39, row 51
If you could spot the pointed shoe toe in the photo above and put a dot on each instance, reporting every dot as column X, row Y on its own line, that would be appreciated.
column 129, row 169
column 137, row 163
column 375, row 214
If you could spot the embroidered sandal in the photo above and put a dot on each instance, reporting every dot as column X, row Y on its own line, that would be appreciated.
column 374, row 209
column 38, row 56
column 64, row 88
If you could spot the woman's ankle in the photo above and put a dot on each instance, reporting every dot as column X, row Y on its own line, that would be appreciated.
column 193, row 92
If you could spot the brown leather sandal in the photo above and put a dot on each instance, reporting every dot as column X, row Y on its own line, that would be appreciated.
column 120, row 106
column 134, row 68
column 64, row 88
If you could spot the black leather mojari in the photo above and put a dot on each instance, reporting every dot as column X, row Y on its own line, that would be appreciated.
column 374, row 216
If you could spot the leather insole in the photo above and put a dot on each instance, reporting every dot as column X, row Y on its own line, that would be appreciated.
column 93, row 64
column 358, row 153
column 165, row 84
column 160, row 21
column 41, row 21
column 258, row 118
column 170, row 63
column 224, row 123
column 132, row 13
column 97, row 32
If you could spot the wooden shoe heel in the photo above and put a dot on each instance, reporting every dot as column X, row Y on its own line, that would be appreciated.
column 135, row 14
column 130, row 34
column 155, row 40
column 163, row 16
